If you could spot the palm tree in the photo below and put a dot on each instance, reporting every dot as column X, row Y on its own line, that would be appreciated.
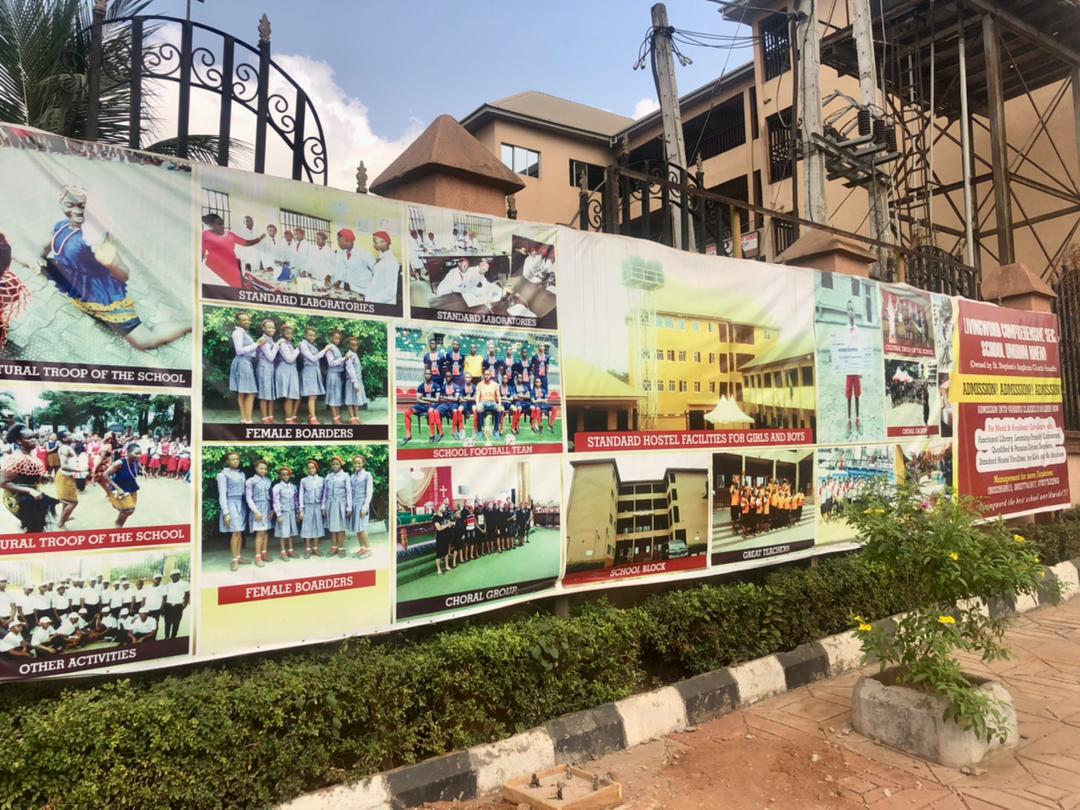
column 44, row 74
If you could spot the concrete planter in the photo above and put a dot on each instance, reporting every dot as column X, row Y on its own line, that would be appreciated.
column 913, row 721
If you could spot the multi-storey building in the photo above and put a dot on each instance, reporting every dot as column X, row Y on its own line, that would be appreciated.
column 612, row 522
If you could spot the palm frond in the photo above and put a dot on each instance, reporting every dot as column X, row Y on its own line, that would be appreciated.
column 201, row 148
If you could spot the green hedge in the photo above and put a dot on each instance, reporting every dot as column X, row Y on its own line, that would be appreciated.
column 250, row 732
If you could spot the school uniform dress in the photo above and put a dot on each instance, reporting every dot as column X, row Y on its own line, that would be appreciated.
column 242, row 370
column 335, row 376
column 362, row 489
column 355, row 394
column 311, row 378
column 257, row 497
column 264, row 370
column 337, row 501
column 284, row 497
column 230, row 485
column 286, row 377
column 311, row 500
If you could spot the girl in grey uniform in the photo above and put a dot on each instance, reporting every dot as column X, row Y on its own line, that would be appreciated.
column 355, row 395
column 311, row 499
column 233, row 520
column 242, row 369
column 335, row 373
column 257, row 496
column 286, row 376
column 363, row 488
column 284, row 497
column 264, row 370
column 311, row 378
column 337, row 505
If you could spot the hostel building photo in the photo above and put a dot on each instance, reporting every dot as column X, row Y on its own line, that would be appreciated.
column 618, row 518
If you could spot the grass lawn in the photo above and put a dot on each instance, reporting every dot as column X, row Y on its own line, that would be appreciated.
column 526, row 436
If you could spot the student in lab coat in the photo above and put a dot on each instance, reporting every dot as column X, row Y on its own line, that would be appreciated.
column 384, row 282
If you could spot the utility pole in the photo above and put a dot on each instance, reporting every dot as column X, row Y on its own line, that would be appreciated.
column 663, row 67
column 810, row 76
column 862, row 29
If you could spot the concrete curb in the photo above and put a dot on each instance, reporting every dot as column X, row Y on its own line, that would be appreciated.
column 589, row 734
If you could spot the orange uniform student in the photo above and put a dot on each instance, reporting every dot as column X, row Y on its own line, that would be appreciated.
column 734, row 489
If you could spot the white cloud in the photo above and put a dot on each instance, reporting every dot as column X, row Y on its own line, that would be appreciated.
column 644, row 107
column 345, row 121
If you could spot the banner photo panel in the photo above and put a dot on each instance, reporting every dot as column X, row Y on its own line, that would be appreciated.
column 1008, row 395
column 847, row 330
column 97, row 471
column 275, row 375
column 666, row 349
column 468, row 268
column 636, row 516
column 844, row 474
column 92, row 612
column 295, row 544
column 281, row 243
column 96, row 282
column 763, row 504
column 929, row 463
column 462, row 393
column 474, row 532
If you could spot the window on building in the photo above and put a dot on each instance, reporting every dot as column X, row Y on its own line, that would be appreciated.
column 682, row 386
column 659, row 385
column 712, row 388
column 521, row 160
column 721, row 331
column 217, row 202
column 744, row 333
column 682, row 357
column 725, row 364
column 311, row 225
column 674, row 509
column 671, row 385
column 855, row 288
column 659, row 321
column 594, row 175
column 778, row 127
column 712, row 358
column 775, row 46
column 659, row 354
column 738, row 390
column 741, row 360
column 792, row 377
column 768, row 380
column 754, row 133
column 783, row 235
column 682, row 324
column 759, row 218
column 697, row 357
column 778, row 379
column 695, row 326
column 807, row 375
column 826, row 281
column 697, row 387
column 710, row 325
column 646, row 385
column 750, row 381
column 669, row 323
column 671, row 355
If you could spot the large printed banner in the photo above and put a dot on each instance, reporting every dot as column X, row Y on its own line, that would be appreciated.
column 243, row 413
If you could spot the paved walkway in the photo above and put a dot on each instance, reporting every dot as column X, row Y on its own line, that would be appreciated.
column 797, row 750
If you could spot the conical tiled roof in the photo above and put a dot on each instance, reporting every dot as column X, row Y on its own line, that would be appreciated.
column 446, row 146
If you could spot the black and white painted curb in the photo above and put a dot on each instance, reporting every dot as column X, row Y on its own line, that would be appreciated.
column 579, row 737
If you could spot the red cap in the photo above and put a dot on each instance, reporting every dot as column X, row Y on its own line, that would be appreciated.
column 347, row 235
column 382, row 235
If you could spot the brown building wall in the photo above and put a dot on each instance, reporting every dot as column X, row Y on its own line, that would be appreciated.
column 452, row 192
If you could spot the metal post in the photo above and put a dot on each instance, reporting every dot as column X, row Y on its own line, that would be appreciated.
column 94, row 80
column 699, row 179
column 646, row 206
column 663, row 66
column 225, row 116
column 999, row 145
column 810, row 75
column 135, row 101
column 263, row 107
column 184, row 112
column 793, row 33
column 1075, row 76
column 684, row 210
column 610, row 200
column 298, row 136
column 965, row 149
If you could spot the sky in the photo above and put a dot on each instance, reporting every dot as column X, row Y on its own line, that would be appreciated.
column 380, row 72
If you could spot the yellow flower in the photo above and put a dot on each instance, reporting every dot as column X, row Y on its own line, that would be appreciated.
column 946, row 620
column 865, row 628
column 873, row 510
column 953, row 555
column 1018, row 539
